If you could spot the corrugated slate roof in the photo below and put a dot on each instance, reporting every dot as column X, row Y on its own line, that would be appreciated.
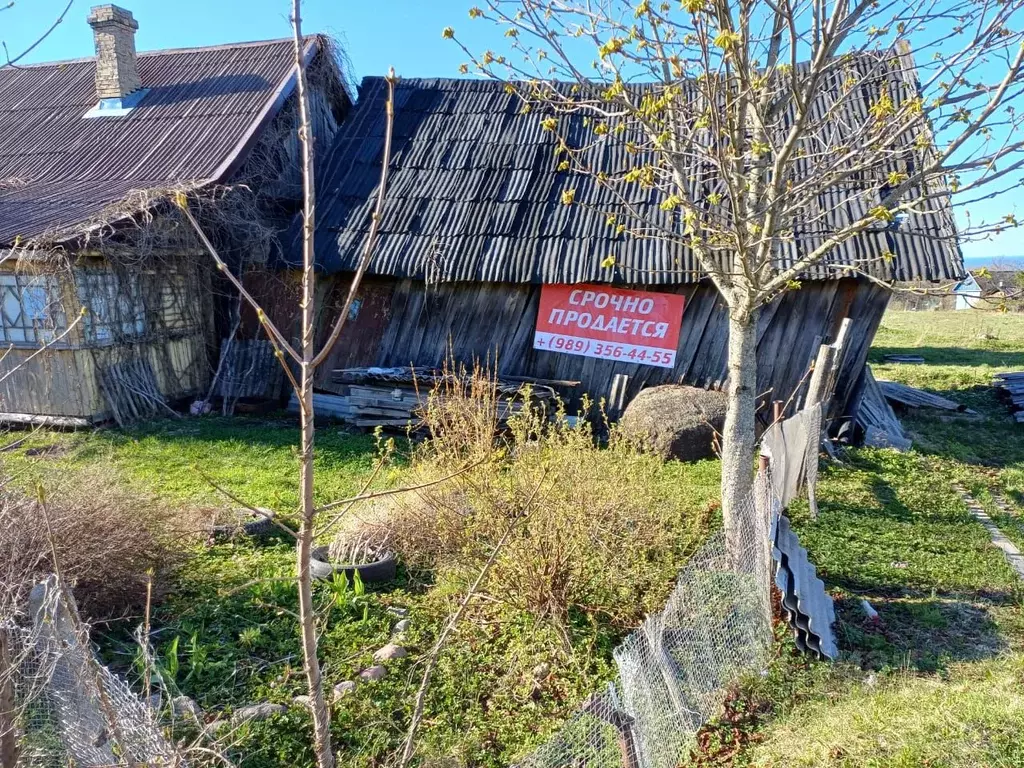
column 59, row 170
column 474, row 194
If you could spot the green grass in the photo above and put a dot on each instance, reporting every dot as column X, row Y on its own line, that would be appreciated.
column 969, row 717
column 254, row 459
column 938, row 682
column 225, row 633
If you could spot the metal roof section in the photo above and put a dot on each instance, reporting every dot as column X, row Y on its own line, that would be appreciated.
column 118, row 106
column 196, row 118
column 810, row 610
column 475, row 195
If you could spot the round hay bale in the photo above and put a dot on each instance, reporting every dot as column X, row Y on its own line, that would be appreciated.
column 676, row 422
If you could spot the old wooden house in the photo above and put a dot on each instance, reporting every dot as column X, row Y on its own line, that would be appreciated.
column 477, row 256
column 109, row 307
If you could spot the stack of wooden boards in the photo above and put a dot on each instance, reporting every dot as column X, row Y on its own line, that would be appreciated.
column 395, row 397
column 1011, row 388
column 875, row 414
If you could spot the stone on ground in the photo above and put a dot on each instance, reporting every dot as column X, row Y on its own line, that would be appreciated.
column 400, row 627
column 373, row 673
column 390, row 651
column 343, row 689
column 257, row 712
column 675, row 421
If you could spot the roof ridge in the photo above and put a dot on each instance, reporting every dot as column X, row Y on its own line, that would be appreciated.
column 164, row 51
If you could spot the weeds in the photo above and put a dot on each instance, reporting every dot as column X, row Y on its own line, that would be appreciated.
column 603, row 541
column 106, row 540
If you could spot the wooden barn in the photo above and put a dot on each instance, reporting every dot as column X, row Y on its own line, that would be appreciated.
column 477, row 256
column 108, row 303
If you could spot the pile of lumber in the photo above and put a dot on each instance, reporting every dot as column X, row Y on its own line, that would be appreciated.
column 1011, row 389
column 366, row 406
column 396, row 397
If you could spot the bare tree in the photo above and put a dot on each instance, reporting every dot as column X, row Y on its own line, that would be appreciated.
column 771, row 133
column 306, row 358
column 12, row 59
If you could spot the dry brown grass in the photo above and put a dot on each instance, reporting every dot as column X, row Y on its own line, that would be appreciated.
column 105, row 541
column 600, row 542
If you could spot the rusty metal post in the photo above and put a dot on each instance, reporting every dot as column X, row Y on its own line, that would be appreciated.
column 620, row 721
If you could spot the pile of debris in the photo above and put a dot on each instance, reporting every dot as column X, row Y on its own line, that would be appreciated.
column 1011, row 389
column 396, row 397
column 877, row 418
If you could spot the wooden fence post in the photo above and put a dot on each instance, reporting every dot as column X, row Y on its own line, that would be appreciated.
column 8, row 721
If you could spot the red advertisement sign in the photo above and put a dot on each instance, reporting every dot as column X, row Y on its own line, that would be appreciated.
column 610, row 323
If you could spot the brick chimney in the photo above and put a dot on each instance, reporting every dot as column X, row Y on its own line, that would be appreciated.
column 117, row 66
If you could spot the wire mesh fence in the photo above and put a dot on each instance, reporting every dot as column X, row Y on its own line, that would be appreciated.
column 675, row 670
column 63, row 707
column 59, row 706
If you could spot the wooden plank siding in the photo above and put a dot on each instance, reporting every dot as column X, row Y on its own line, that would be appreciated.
column 62, row 381
column 407, row 322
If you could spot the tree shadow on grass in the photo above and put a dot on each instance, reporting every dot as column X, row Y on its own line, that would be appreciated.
column 923, row 633
column 936, row 604
column 969, row 358
column 237, row 434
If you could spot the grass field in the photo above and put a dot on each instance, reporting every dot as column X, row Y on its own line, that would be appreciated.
column 940, row 680
column 937, row 682
column 226, row 635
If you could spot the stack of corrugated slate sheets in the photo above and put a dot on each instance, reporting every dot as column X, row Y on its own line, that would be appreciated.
column 1011, row 386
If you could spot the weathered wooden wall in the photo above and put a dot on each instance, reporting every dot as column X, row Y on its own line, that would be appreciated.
column 62, row 380
column 403, row 322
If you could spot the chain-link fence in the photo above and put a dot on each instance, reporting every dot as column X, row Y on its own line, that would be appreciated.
column 674, row 671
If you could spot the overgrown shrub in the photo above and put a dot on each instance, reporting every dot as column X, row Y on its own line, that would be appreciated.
column 597, row 530
column 105, row 541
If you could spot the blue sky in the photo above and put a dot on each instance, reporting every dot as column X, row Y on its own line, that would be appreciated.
column 405, row 34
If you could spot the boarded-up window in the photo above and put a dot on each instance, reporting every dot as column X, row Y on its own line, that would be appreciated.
column 30, row 309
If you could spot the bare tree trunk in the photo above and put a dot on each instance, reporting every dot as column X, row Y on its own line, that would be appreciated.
column 738, row 437
column 307, row 616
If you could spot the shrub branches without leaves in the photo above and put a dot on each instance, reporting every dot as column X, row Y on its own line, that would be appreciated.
column 105, row 540
column 604, row 536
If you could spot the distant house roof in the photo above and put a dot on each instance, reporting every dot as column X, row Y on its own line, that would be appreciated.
column 474, row 194
column 994, row 281
column 59, row 171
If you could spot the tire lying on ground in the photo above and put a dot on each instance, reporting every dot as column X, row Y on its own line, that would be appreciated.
column 384, row 568
column 675, row 421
